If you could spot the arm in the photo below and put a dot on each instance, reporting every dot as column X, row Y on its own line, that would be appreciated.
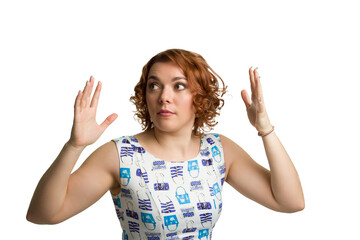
column 278, row 189
column 60, row 194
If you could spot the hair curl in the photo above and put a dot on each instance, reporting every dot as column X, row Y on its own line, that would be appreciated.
column 203, row 83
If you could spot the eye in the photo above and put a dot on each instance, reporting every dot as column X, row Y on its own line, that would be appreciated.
column 180, row 86
column 153, row 86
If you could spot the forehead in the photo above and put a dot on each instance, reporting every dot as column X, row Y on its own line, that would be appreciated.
column 165, row 70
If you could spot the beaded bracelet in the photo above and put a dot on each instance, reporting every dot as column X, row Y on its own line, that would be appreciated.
column 261, row 134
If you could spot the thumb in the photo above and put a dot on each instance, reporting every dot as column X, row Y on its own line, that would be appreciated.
column 245, row 98
column 109, row 120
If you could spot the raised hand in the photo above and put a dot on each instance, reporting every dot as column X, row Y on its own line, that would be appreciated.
column 85, row 130
column 256, row 111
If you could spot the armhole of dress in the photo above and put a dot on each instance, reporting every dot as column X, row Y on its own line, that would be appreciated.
column 118, row 148
column 221, row 164
column 117, row 142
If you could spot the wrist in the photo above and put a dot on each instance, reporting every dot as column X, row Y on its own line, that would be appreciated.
column 73, row 147
column 266, row 131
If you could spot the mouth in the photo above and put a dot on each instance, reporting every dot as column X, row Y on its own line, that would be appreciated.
column 165, row 113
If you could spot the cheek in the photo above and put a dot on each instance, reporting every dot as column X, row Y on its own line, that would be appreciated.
column 189, row 104
column 149, row 104
column 149, row 100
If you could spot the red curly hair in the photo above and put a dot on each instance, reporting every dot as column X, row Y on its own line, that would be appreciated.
column 203, row 83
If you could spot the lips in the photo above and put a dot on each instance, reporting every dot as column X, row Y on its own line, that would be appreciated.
column 164, row 111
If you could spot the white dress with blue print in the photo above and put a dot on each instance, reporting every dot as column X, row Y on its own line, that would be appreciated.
column 169, row 200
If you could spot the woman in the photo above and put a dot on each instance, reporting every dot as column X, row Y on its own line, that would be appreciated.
column 171, row 174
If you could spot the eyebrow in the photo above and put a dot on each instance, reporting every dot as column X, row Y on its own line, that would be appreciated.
column 157, row 79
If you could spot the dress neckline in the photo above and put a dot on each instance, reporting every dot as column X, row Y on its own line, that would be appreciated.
column 166, row 161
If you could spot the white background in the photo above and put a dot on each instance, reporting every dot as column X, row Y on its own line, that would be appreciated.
column 308, row 58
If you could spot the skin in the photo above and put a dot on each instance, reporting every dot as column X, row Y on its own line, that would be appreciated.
column 167, row 88
column 61, row 195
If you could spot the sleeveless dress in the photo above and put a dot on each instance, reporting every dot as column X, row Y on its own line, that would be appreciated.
column 169, row 200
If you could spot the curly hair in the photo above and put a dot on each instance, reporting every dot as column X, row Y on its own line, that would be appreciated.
column 203, row 83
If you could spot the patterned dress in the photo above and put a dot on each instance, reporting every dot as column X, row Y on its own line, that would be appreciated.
column 169, row 200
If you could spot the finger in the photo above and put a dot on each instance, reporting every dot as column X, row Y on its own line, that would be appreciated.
column 109, row 120
column 245, row 98
column 259, row 94
column 77, row 101
column 95, row 99
column 252, row 81
column 87, row 92
column 83, row 96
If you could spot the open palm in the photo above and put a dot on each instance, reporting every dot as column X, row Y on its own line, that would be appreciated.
column 256, row 111
column 86, row 130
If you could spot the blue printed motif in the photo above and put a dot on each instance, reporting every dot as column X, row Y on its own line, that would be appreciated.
column 222, row 180
column 127, row 152
column 176, row 171
column 125, row 193
column 125, row 236
column 145, row 204
column 182, row 196
column 216, row 153
column 188, row 212
column 203, row 233
column 134, row 227
column 133, row 139
column 188, row 230
column 203, row 205
column 161, row 186
column 132, row 214
column 189, row 237
column 210, row 141
column 148, row 221
column 204, row 152
column 215, row 191
column 167, row 207
column 207, row 162
column 117, row 201
column 193, row 168
column 143, row 175
column 125, row 176
column 169, row 200
column 138, row 149
column 171, row 222
column 120, row 214
column 205, row 217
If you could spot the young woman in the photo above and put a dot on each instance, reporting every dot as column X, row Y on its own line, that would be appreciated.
column 171, row 174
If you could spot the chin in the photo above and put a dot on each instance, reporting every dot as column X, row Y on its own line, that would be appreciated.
column 166, row 127
column 171, row 126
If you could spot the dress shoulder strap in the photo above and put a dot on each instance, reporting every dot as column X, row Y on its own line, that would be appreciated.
column 216, row 151
column 128, row 147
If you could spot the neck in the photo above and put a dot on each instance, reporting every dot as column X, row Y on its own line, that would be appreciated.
column 181, row 143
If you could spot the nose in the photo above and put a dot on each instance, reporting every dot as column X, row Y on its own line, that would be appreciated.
column 166, row 96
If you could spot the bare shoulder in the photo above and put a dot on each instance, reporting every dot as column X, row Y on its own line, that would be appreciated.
column 105, row 157
column 232, row 152
column 109, row 154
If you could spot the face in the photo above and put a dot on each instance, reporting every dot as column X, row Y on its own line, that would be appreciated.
column 169, row 99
